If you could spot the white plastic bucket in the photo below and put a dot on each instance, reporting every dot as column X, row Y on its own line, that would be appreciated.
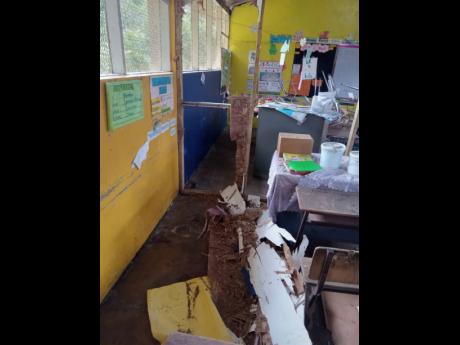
column 353, row 163
column 331, row 155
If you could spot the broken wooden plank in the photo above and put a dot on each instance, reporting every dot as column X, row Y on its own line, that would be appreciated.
column 255, row 91
column 353, row 130
column 269, row 230
column 177, row 70
column 299, row 253
column 240, row 241
column 286, row 327
column 297, row 277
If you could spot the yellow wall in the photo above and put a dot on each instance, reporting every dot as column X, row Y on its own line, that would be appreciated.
column 339, row 17
column 132, row 201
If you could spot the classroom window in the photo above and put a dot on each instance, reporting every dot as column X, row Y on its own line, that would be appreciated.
column 187, row 36
column 106, row 63
column 136, row 36
column 225, row 32
column 204, row 32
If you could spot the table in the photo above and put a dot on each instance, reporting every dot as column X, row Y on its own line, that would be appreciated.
column 326, row 202
column 281, row 195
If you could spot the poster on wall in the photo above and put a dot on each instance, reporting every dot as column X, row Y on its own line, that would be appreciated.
column 125, row 103
column 161, row 95
column 269, row 77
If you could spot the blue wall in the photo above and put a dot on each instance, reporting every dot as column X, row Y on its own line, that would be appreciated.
column 202, row 126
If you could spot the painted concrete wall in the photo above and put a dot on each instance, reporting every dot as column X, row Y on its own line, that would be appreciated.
column 339, row 17
column 202, row 126
column 133, row 201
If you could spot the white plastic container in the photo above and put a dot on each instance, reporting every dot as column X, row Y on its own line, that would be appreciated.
column 353, row 163
column 331, row 155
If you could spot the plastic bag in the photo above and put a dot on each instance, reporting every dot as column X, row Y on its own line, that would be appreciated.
column 337, row 179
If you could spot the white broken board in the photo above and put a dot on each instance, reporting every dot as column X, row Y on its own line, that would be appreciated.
column 254, row 200
column 299, row 253
column 286, row 327
column 234, row 200
column 274, row 234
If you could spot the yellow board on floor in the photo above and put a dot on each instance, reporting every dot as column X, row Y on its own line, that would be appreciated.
column 186, row 307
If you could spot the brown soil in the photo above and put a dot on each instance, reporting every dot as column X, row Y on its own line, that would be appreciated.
column 228, row 287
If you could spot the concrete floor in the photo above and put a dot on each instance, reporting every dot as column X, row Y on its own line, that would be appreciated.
column 171, row 254
column 217, row 170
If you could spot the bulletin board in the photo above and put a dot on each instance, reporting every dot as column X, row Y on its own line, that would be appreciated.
column 162, row 98
column 269, row 77
column 125, row 103
column 324, row 63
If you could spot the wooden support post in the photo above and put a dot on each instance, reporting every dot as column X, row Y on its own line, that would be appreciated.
column 254, row 95
column 354, row 128
column 177, row 63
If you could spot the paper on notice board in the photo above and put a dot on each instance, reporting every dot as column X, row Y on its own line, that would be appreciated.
column 309, row 69
column 161, row 95
column 141, row 155
column 172, row 131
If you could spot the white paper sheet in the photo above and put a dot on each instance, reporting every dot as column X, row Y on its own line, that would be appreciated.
column 141, row 155
column 309, row 69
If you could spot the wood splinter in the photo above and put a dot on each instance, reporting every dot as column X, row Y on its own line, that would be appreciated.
column 296, row 276
column 240, row 240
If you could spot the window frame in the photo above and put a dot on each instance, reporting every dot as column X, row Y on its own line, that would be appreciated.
column 209, row 12
column 116, row 46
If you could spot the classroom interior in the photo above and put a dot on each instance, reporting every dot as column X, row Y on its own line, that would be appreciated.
column 229, row 172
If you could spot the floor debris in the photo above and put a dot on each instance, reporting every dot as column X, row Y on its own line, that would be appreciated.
column 178, row 338
column 226, row 270
column 240, row 241
column 286, row 326
column 258, row 293
column 254, row 201
column 272, row 232
column 186, row 307
column 235, row 202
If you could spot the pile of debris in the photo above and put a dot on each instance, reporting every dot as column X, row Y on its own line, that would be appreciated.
column 256, row 282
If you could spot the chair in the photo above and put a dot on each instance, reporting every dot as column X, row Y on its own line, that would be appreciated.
column 332, row 290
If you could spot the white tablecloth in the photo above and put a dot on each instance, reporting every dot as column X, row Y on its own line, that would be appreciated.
column 281, row 195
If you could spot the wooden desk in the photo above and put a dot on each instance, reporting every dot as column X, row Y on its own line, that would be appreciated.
column 326, row 202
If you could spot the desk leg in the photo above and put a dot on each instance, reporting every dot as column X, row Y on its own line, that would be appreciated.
column 299, row 232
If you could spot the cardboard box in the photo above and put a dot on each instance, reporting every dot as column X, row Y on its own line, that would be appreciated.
column 294, row 143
